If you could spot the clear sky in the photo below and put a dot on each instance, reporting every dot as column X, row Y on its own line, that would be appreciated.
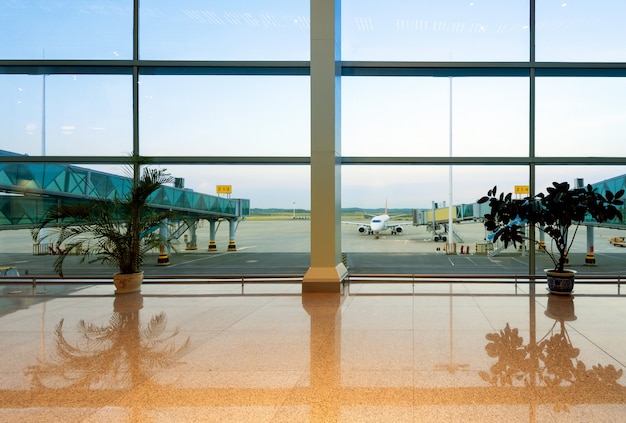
column 270, row 115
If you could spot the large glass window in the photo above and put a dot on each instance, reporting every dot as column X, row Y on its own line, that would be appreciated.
column 21, row 111
column 86, row 29
column 275, row 193
column 66, row 89
column 62, row 115
column 580, row 31
column 389, row 116
column 580, row 117
column 423, row 30
column 410, row 194
column 224, row 30
column 225, row 115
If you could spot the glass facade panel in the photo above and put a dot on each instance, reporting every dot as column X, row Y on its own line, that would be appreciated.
column 486, row 121
column 411, row 193
column 63, row 115
column 265, row 186
column 225, row 115
column 411, row 116
column 580, row 31
column 21, row 114
column 580, row 117
column 423, row 30
column 99, row 123
column 546, row 175
column 418, row 186
column 587, row 238
column 86, row 29
column 217, row 30
column 394, row 116
column 275, row 193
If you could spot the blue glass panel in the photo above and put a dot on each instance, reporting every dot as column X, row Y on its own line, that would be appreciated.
column 442, row 30
column 580, row 31
column 85, row 29
column 224, row 30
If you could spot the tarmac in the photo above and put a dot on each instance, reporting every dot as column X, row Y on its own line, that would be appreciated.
column 282, row 247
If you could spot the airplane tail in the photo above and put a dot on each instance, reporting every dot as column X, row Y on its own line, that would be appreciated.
column 386, row 206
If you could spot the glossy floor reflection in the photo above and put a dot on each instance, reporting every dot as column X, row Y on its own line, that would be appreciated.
column 376, row 353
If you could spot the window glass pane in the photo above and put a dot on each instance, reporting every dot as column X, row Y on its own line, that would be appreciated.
column 21, row 99
column 580, row 31
column 219, row 30
column 423, row 30
column 276, row 193
column 225, row 115
column 72, row 115
column 411, row 116
column 85, row 29
column 545, row 175
column 366, row 190
column 580, row 117
column 612, row 178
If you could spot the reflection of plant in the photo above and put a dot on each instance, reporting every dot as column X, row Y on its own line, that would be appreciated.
column 508, row 347
column 551, row 362
column 121, row 353
column 559, row 356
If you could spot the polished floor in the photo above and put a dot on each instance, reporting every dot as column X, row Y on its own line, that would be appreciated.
column 265, row 353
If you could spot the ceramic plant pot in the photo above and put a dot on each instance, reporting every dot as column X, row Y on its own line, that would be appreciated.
column 127, row 282
column 560, row 282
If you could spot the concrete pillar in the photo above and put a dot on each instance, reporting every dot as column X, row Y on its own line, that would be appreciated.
column 192, row 244
column 164, row 259
column 232, row 228
column 327, row 269
column 590, row 258
column 212, row 246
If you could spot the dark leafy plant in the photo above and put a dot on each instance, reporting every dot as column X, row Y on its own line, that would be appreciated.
column 118, row 232
column 553, row 213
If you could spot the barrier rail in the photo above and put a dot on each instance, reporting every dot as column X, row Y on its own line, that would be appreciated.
column 462, row 278
column 35, row 281
column 292, row 278
column 415, row 279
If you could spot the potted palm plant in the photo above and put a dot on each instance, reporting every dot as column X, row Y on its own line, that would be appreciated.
column 118, row 232
column 554, row 214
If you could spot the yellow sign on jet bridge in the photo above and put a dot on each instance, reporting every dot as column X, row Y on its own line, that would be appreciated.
column 224, row 189
column 521, row 189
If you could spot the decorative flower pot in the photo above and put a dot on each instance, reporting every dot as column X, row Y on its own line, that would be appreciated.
column 127, row 282
column 560, row 282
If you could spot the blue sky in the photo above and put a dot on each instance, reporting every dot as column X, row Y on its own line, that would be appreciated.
column 266, row 115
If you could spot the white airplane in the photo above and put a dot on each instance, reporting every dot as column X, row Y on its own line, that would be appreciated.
column 378, row 224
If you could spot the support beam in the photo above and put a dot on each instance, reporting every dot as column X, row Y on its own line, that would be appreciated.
column 327, row 269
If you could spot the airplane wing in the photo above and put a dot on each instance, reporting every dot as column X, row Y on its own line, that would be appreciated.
column 396, row 228
column 364, row 227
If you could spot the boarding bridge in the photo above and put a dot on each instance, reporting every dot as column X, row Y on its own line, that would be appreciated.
column 436, row 219
column 475, row 211
column 27, row 191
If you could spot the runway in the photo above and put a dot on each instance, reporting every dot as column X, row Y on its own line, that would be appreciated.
column 278, row 247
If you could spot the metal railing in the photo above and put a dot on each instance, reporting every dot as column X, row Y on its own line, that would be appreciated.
column 415, row 278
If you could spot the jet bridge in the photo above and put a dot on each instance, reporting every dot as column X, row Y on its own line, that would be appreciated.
column 28, row 190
